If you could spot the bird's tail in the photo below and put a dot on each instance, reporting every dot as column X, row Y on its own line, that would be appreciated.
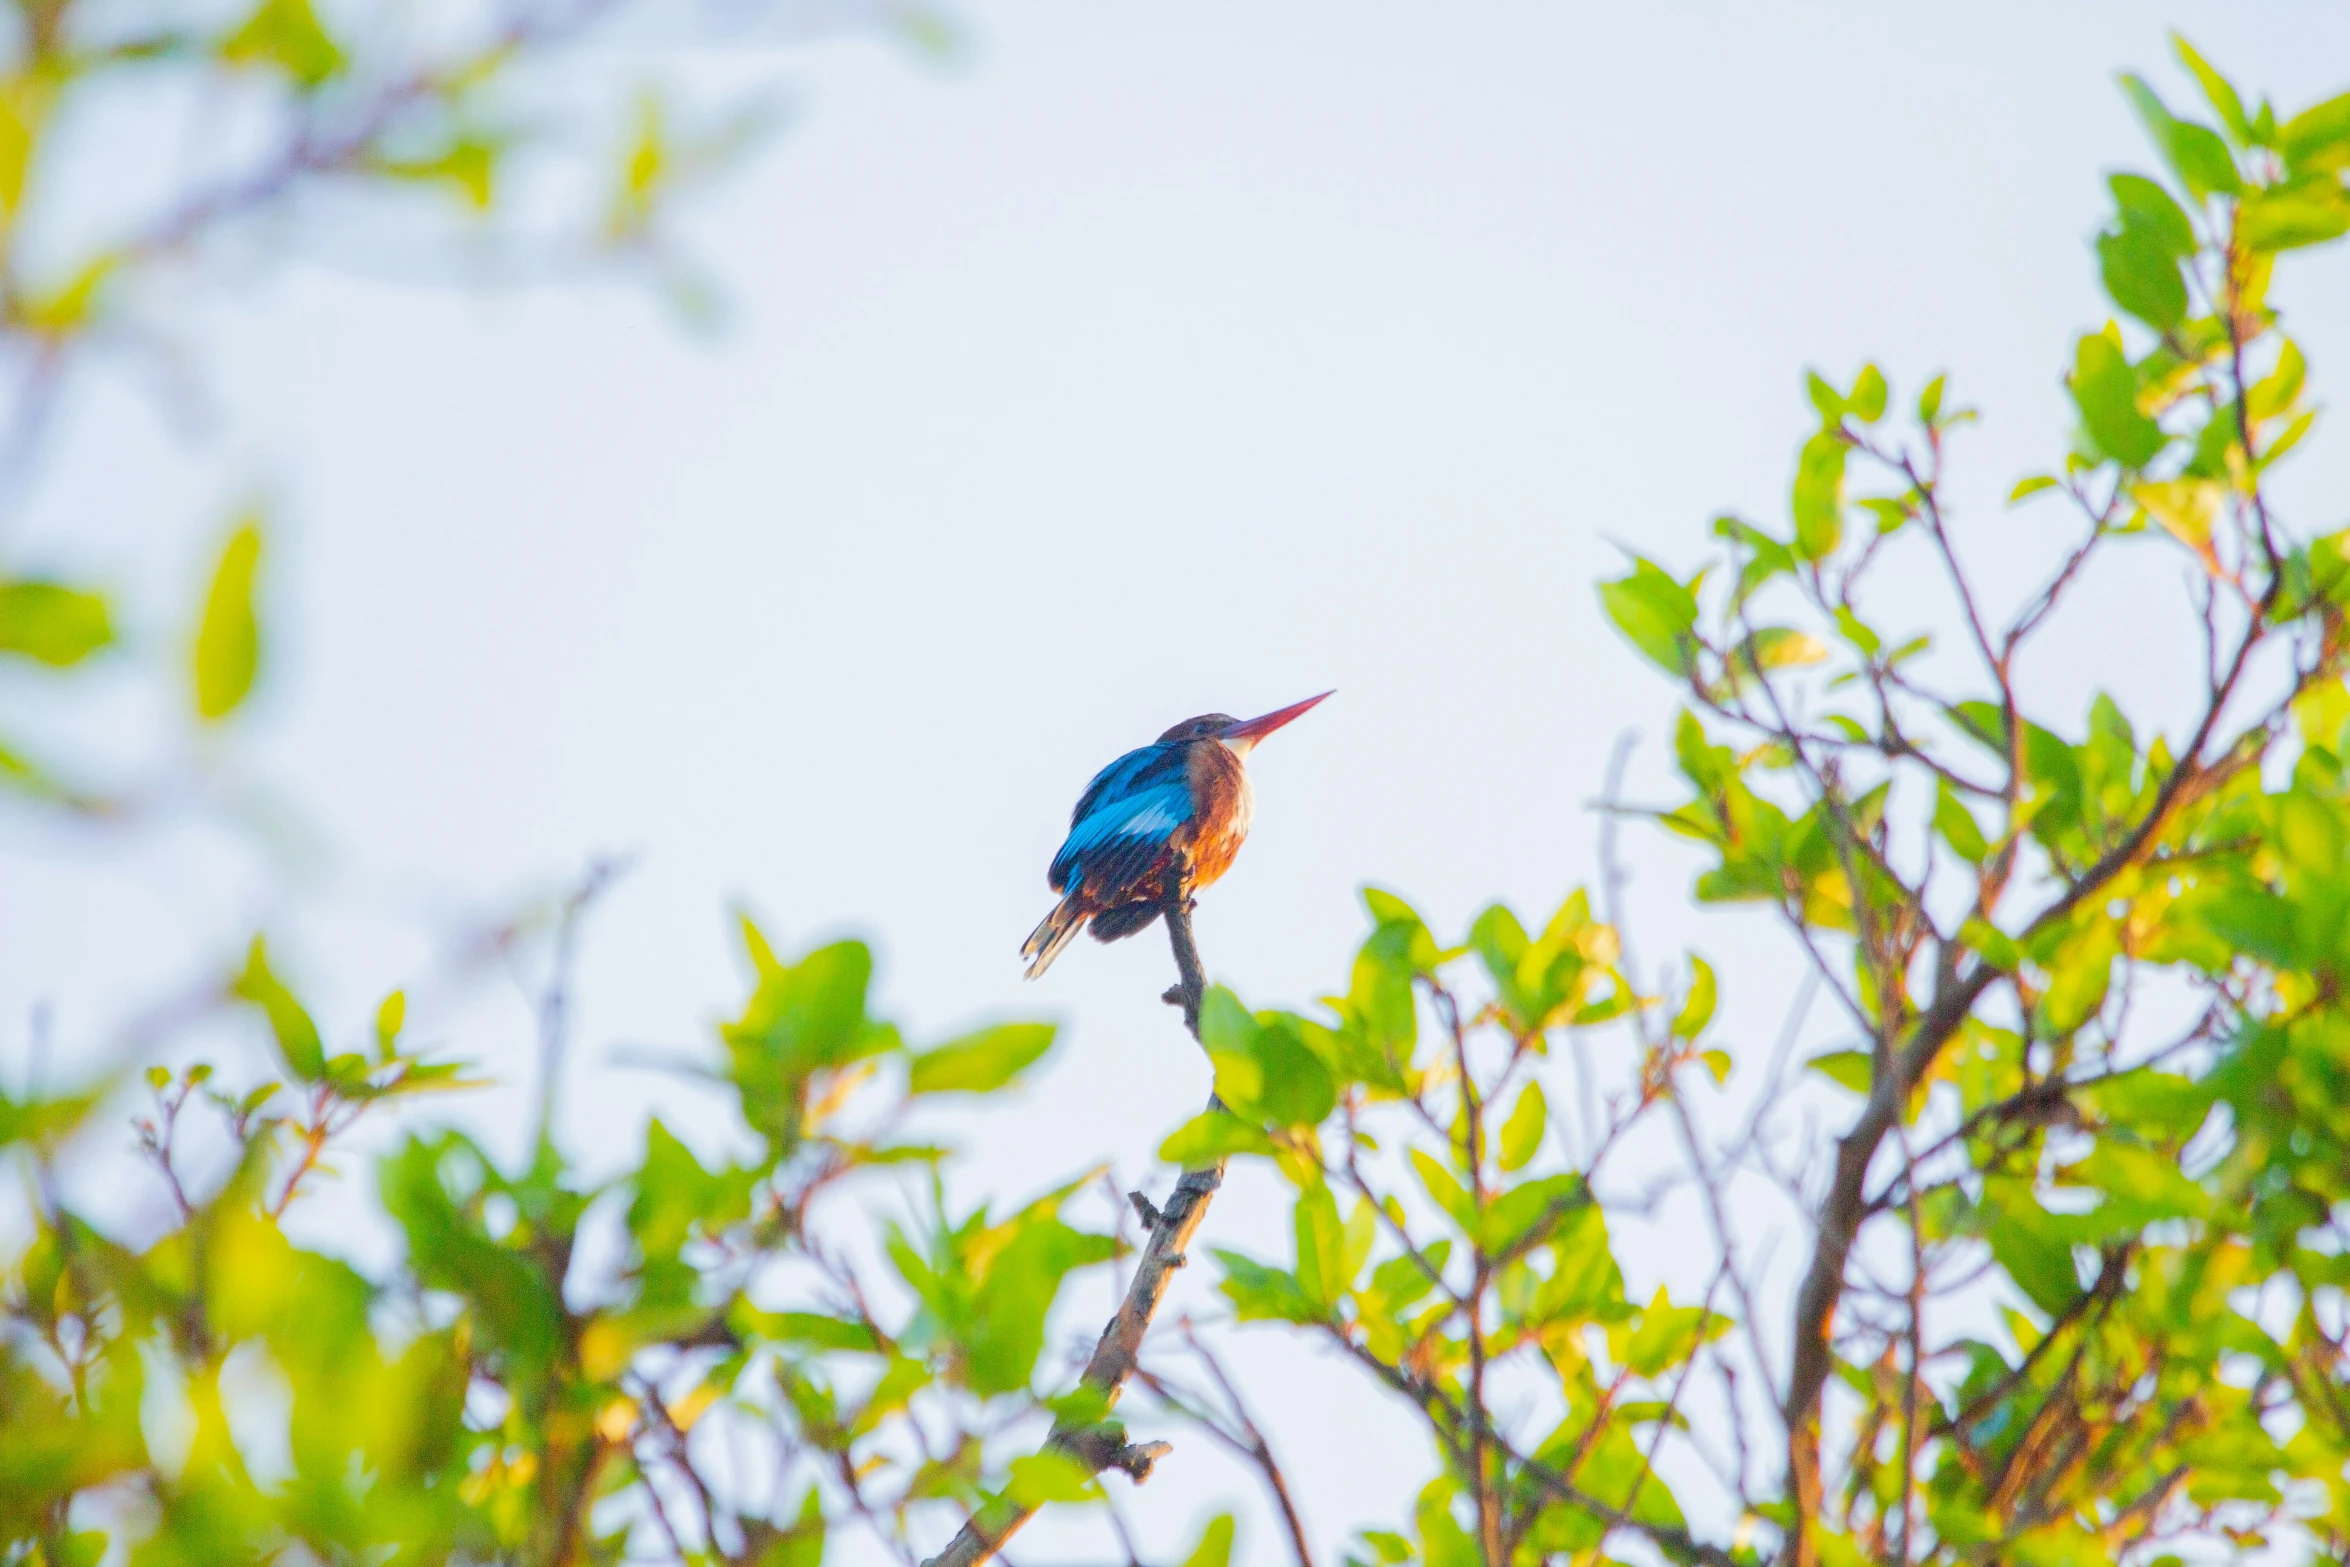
column 1059, row 929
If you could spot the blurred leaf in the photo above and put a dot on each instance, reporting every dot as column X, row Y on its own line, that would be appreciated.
column 1322, row 1275
column 1445, row 1191
column 1958, row 827
column 1845, row 1068
column 1819, row 497
column 1050, row 1476
column 1698, row 1009
column 390, row 1018
column 1930, row 401
column 228, row 639
column 979, row 1063
column 297, row 1037
column 2317, row 140
column 2309, row 211
column 1262, row 1294
column 1655, row 613
column 2153, row 211
column 51, row 623
column 2105, row 389
column 1215, row 1544
column 2216, row 90
column 2186, row 509
column 1215, row 1135
column 1868, row 395
column 1526, row 1216
column 2194, row 152
column 286, row 34
column 2274, row 394
column 46, row 1120
column 1521, row 1133
column 2142, row 277
column 1777, row 647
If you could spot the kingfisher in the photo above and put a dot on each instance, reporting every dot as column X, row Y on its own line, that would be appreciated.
column 1158, row 823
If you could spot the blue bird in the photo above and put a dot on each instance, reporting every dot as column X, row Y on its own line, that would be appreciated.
column 1157, row 823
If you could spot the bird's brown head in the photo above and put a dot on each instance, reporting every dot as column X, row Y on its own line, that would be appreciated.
column 1205, row 727
column 1238, row 733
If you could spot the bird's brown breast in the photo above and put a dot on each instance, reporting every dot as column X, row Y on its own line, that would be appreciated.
column 1221, row 808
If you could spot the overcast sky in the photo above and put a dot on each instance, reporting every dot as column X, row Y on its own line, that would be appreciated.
column 1149, row 360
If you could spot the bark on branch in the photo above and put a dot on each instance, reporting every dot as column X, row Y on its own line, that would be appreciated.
column 1103, row 1446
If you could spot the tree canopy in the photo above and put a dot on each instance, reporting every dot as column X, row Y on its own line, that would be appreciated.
column 2073, row 1274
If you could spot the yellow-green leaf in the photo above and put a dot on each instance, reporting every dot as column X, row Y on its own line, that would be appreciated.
column 1215, row 1544
column 51, row 623
column 286, row 34
column 1521, row 1134
column 228, row 640
column 979, row 1063
column 1698, row 1009
column 2186, row 508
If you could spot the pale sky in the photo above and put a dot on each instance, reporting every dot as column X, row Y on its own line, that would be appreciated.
column 1150, row 360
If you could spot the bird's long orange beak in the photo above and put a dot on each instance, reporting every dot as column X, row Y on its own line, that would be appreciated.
column 1249, row 732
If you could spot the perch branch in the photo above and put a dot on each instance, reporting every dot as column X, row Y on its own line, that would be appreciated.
column 1103, row 1445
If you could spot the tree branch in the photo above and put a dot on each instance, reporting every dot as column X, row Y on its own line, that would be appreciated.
column 1100, row 1446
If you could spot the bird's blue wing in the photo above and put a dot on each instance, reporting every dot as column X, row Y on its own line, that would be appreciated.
column 1125, row 817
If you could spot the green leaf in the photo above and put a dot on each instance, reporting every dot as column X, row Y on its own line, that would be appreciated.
column 1215, row 1544
column 1996, row 947
column 2153, row 211
column 1779, row 647
column 2186, row 509
column 2273, row 396
column 1958, row 827
column 390, row 1018
column 285, row 34
column 1526, row 1216
column 1845, row 1068
column 1321, row 1246
column 1655, row 613
column 1215, row 1135
column 2216, row 90
column 1262, row 1294
column 1698, row 1010
column 1818, row 497
column 1445, row 1192
column 1050, row 1476
column 2024, row 1240
column 2141, row 277
column 297, row 1037
column 2194, row 152
column 1521, row 1133
column 2105, row 389
column 52, row 623
column 1668, row 1334
column 1868, row 395
column 228, row 639
column 1930, row 401
column 2317, row 140
column 2025, row 488
column 1264, row 1069
column 979, row 1063
column 2309, row 211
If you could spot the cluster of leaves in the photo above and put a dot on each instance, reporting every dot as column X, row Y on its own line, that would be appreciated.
column 2076, row 1286
column 368, row 104
column 1449, row 1245
column 2093, row 976
column 504, row 1396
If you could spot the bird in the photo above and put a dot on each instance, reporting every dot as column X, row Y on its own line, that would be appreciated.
column 1157, row 824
